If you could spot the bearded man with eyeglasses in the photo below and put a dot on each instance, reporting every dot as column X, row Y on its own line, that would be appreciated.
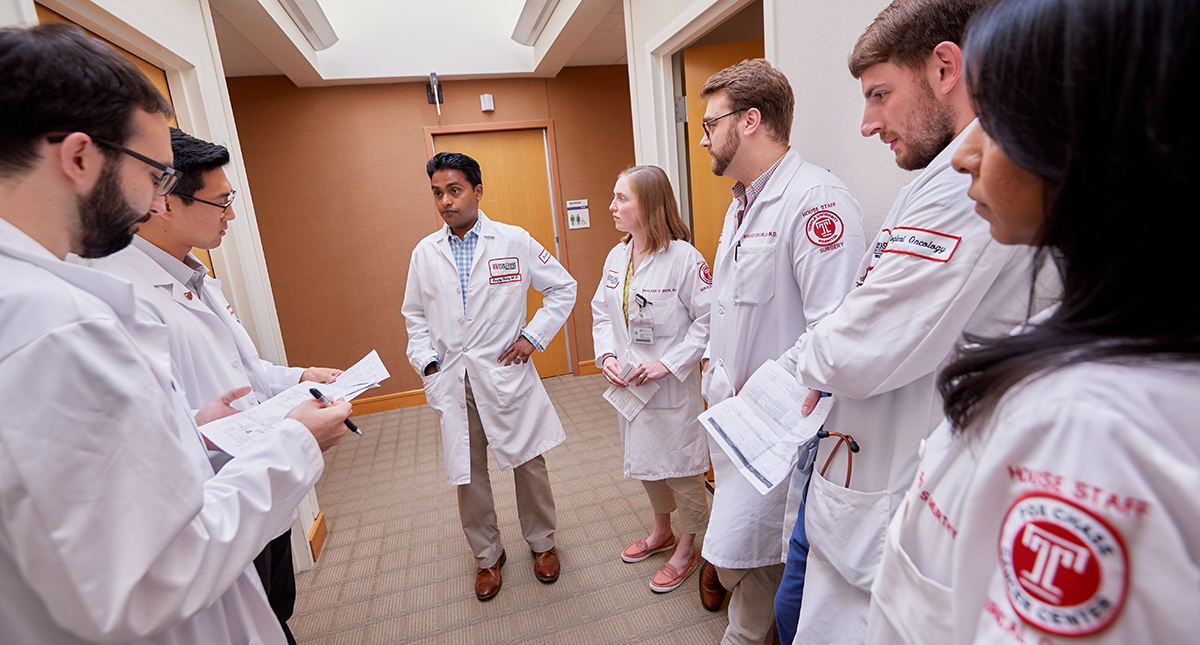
column 785, row 258
column 113, row 525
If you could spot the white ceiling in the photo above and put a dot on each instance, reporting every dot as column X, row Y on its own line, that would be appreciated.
column 381, row 40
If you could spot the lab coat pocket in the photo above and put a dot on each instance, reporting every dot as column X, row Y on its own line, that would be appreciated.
column 917, row 608
column 849, row 528
column 715, row 385
column 433, row 391
column 511, row 383
column 506, row 302
column 755, row 274
column 666, row 312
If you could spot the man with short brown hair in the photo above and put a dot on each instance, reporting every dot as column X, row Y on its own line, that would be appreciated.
column 933, row 272
column 786, row 257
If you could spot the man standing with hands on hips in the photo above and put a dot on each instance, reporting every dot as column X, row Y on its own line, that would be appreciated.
column 465, row 310
column 210, row 351
column 786, row 256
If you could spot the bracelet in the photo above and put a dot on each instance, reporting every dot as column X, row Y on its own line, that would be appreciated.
column 605, row 358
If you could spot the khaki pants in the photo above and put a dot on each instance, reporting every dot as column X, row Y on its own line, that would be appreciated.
column 688, row 493
column 477, row 509
column 751, row 603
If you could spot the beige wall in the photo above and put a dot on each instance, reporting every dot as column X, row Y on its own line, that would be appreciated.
column 343, row 197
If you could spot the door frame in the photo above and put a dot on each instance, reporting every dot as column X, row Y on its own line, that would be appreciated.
column 651, row 79
column 557, row 205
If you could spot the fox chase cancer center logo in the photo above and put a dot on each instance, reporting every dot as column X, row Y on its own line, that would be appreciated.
column 705, row 273
column 824, row 228
column 503, row 270
column 1066, row 571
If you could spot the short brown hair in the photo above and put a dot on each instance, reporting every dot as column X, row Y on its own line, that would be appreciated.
column 756, row 84
column 657, row 209
column 906, row 32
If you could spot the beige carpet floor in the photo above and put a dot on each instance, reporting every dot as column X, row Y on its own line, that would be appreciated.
column 396, row 567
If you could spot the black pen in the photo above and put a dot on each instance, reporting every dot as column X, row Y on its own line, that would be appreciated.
column 322, row 398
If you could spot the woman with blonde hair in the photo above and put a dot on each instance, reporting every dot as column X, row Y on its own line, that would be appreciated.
column 650, row 324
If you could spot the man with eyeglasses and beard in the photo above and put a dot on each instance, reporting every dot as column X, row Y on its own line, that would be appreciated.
column 785, row 258
column 113, row 526
column 211, row 353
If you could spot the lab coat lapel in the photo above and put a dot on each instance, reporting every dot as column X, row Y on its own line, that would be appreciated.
column 149, row 335
column 487, row 235
column 618, row 323
column 775, row 188
column 161, row 279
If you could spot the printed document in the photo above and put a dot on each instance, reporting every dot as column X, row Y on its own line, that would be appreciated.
column 233, row 433
column 761, row 428
column 630, row 400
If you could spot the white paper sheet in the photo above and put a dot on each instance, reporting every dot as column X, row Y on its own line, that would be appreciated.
column 761, row 428
column 233, row 433
column 630, row 400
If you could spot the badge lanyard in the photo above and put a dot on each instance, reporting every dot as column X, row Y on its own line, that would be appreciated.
column 641, row 326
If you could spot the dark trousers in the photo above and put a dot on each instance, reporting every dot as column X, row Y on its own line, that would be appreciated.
column 274, row 567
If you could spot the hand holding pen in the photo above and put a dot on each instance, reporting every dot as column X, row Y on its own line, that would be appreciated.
column 316, row 393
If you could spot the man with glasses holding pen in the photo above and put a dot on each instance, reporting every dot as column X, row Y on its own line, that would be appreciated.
column 210, row 351
column 113, row 525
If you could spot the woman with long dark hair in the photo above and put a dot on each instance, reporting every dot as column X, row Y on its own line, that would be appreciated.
column 1062, row 497
column 650, row 315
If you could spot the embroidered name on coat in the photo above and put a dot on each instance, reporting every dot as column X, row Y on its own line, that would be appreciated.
column 922, row 243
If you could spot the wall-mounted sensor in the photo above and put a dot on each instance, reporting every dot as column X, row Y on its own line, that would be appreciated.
column 486, row 103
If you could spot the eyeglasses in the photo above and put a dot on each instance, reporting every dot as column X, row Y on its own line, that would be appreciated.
column 223, row 206
column 705, row 124
column 166, row 181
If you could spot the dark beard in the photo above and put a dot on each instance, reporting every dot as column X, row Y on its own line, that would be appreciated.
column 721, row 160
column 106, row 218
column 937, row 135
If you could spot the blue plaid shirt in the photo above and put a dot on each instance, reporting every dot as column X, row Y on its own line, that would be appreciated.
column 464, row 256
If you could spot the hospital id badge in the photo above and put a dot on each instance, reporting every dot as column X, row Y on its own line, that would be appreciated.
column 642, row 331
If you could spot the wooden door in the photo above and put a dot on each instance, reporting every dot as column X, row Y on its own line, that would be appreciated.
column 156, row 75
column 710, row 193
column 516, row 190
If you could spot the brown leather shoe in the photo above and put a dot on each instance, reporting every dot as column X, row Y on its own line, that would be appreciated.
column 712, row 594
column 488, row 581
column 545, row 565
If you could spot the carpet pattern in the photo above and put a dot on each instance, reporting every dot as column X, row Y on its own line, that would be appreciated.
column 397, row 569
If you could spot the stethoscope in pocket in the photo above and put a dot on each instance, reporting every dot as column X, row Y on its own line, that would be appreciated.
column 851, row 445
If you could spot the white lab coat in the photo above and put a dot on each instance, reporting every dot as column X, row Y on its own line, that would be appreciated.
column 113, row 527
column 212, row 353
column 1112, row 449
column 880, row 353
column 773, row 282
column 517, row 416
column 665, row 439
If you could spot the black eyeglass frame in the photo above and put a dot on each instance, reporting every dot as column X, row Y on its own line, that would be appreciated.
column 224, row 207
column 166, row 181
column 705, row 124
